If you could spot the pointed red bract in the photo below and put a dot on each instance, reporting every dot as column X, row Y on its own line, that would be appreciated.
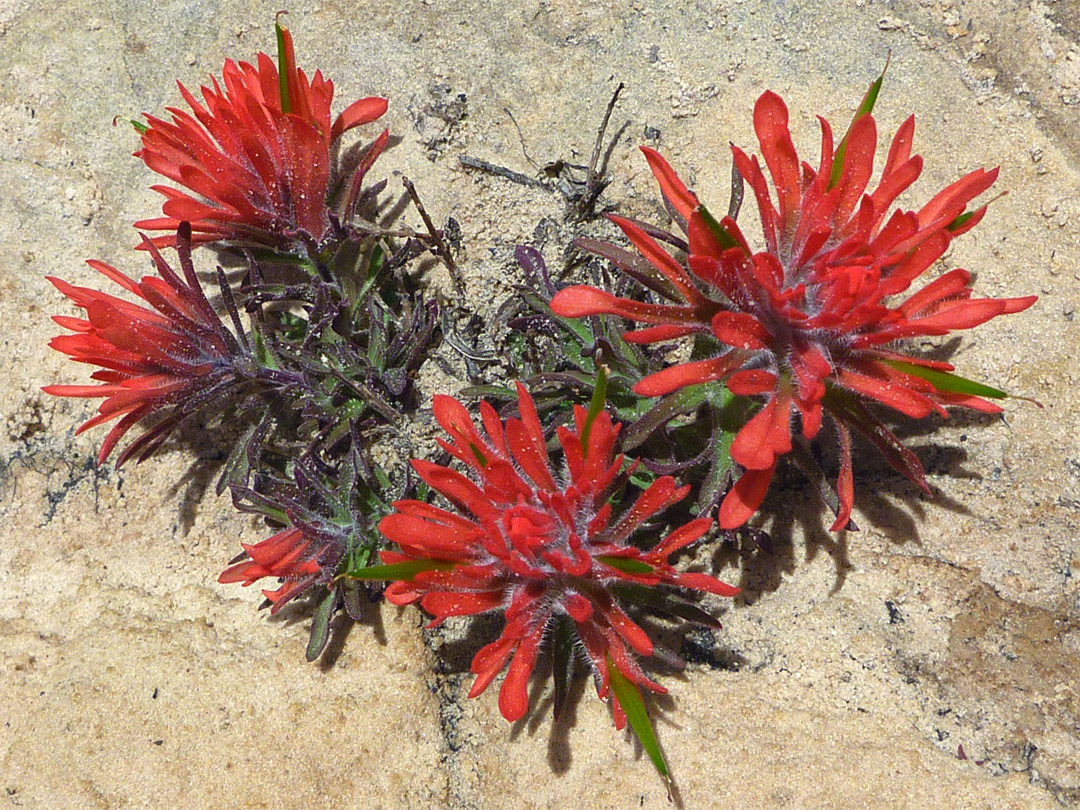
column 258, row 175
column 174, row 356
column 537, row 549
column 809, row 318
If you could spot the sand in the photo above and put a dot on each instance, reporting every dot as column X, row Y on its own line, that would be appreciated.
column 930, row 660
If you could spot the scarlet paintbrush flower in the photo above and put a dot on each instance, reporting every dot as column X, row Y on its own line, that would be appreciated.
column 810, row 325
column 175, row 355
column 541, row 551
column 257, row 157
column 288, row 555
column 328, row 512
column 300, row 557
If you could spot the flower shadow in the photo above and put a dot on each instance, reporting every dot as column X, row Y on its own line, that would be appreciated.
column 341, row 627
column 203, row 444
column 457, row 641
column 696, row 646
column 764, row 558
column 884, row 499
column 301, row 611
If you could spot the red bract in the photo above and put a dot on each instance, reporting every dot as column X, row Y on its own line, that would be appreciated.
column 810, row 324
column 257, row 156
column 538, row 550
column 174, row 355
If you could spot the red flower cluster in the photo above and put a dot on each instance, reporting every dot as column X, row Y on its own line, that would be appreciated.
column 807, row 324
column 176, row 354
column 521, row 542
column 291, row 556
column 257, row 156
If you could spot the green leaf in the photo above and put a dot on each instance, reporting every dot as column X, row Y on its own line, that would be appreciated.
column 945, row 382
column 725, row 239
column 359, row 557
column 263, row 355
column 383, row 479
column 675, row 404
column 866, row 106
column 402, row 571
column 350, row 596
column 237, row 467
column 283, row 75
column 642, row 477
column 599, row 398
column 958, row 223
column 629, row 697
column 293, row 326
column 627, row 565
column 730, row 414
column 320, row 625
column 378, row 334
column 481, row 459
column 140, row 127
column 375, row 265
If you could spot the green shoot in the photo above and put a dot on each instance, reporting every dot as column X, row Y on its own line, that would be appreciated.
column 629, row 697
column 945, row 382
column 866, row 106
column 599, row 399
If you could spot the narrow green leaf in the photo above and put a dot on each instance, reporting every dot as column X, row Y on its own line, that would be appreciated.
column 643, row 477
column 293, row 327
column 350, row 596
column 375, row 265
column 958, row 223
column 402, row 571
column 383, row 479
column 320, row 625
column 866, row 106
column 280, row 515
column 237, row 467
column 478, row 454
column 627, row 565
column 945, row 382
column 730, row 414
column 278, row 255
column 599, row 399
column 725, row 239
column 263, row 356
column 283, row 75
column 721, row 469
column 682, row 401
column 140, row 127
column 359, row 557
column 378, row 334
column 629, row 697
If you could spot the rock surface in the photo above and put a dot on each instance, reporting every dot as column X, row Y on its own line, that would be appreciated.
column 930, row 660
